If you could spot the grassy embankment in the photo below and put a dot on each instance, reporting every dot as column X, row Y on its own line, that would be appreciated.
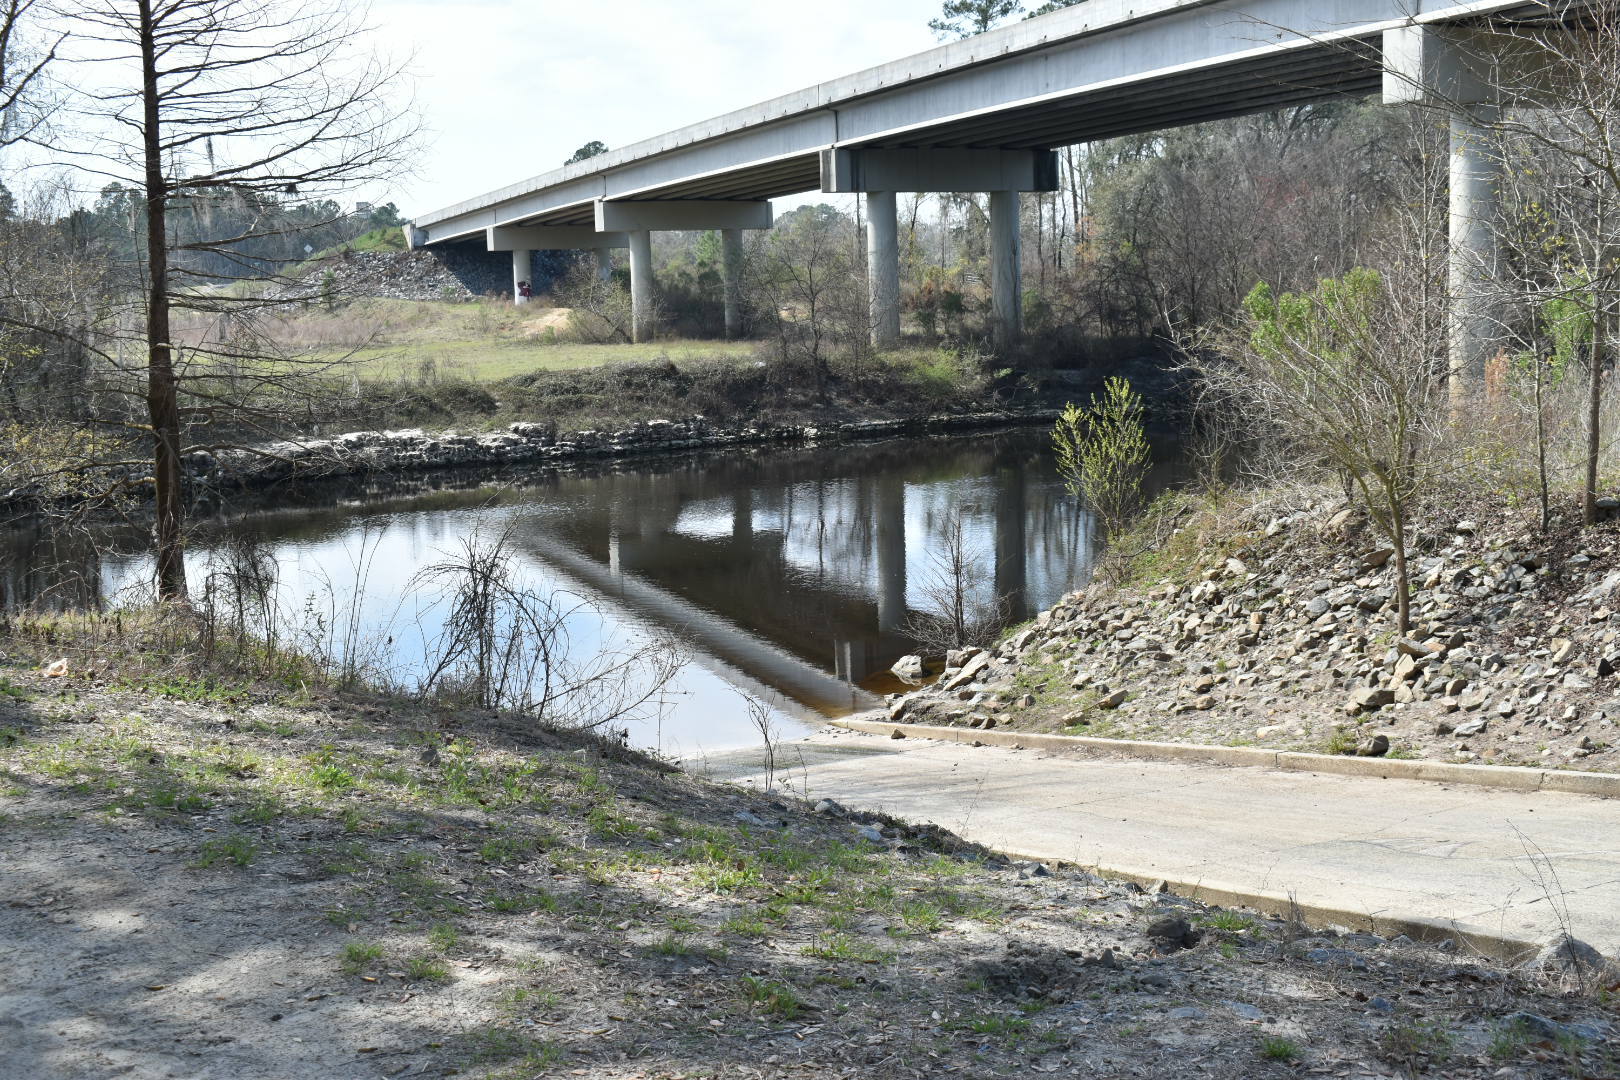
column 481, row 342
column 300, row 882
column 487, row 363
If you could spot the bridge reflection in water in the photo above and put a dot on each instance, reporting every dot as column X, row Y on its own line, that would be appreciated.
column 790, row 574
column 818, row 555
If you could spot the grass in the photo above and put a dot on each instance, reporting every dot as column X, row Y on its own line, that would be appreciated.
column 483, row 361
column 482, row 341
column 522, row 1055
column 520, row 903
column 1279, row 1048
column 1418, row 1039
column 426, row 969
column 1341, row 741
column 359, row 955
column 1233, row 922
column 747, row 926
column 772, row 998
column 841, row 946
column 1012, row 1029
column 237, row 850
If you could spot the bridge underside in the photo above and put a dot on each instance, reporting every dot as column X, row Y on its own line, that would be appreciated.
column 1090, row 72
column 1354, row 72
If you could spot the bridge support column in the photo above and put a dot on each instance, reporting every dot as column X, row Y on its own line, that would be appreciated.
column 1006, row 278
column 639, row 218
column 523, row 240
column 641, row 286
column 604, row 264
column 883, row 268
column 731, row 258
column 879, row 173
column 521, row 271
column 1472, row 73
column 1472, row 269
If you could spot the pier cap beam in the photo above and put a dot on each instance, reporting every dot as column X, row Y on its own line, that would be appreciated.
column 551, row 238
column 938, row 170
column 1463, row 66
column 677, row 215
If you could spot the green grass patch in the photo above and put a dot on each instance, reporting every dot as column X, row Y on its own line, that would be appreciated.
column 1278, row 1048
column 357, row 956
column 236, row 850
column 841, row 946
column 772, row 998
column 426, row 969
column 521, row 903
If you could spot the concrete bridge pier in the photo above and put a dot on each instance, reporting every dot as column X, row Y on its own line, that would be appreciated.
column 1466, row 71
column 731, row 260
column 642, row 320
column 604, row 264
column 1472, row 270
column 1006, row 278
column 524, row 240
column 883, row 268
column 641, row 218
column 879, row 173
column 522, row 264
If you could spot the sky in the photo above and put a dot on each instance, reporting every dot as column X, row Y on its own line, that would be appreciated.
column 510, row 89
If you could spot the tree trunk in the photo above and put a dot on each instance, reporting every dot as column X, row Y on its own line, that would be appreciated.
column 162, row 396
column 1594, row 412
column 1403, row 585
column 1544, row 487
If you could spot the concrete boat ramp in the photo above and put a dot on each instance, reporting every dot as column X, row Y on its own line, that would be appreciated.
column 1499, row 870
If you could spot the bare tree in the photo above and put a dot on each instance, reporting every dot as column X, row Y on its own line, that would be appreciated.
column 1346, row 377
column 1558, row 150
column 184, row 100
column 802, row 275
column 502, row 645
column 22, row 71
column 961, row 607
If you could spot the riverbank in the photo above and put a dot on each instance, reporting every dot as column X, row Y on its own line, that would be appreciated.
column 1267, row 622
column 220, row 875
column 610, row 412
column 372, row 453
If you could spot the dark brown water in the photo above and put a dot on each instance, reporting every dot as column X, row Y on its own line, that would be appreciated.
column 788, row 574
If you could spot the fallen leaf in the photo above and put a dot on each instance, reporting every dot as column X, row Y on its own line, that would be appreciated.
column 158, row 986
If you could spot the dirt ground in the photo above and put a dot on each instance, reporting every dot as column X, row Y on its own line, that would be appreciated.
column 202, row 879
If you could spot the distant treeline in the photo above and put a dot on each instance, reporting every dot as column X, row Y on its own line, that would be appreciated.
column 221, row 234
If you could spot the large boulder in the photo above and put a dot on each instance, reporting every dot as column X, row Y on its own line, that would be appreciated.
column 910, row 669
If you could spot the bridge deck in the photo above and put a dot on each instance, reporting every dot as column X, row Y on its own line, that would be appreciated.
column 1095, row 70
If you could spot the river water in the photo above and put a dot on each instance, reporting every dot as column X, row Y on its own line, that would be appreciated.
column 788, row 575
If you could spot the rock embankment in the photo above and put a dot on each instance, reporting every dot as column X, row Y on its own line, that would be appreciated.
column 1281, row 634
column 444, row 274
column 373, row 452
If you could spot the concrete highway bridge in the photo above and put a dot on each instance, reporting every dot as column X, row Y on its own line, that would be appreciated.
column 984, row 114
